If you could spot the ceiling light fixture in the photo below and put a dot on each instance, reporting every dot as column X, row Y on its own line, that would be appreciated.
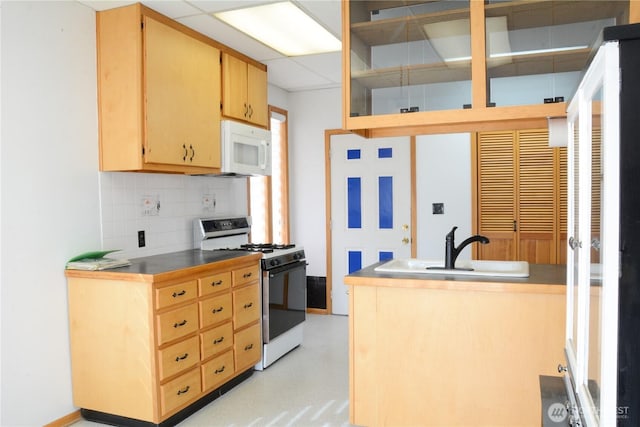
column 284, row 27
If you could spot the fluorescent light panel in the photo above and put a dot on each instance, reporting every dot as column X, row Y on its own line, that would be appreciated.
column 284, row 27
column 523, row 53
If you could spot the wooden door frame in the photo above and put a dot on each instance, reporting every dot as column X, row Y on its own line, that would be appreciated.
column 328, row 133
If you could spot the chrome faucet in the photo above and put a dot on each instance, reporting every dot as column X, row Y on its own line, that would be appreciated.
column 451, row 252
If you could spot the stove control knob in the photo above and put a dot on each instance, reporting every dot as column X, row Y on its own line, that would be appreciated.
column 274, row 262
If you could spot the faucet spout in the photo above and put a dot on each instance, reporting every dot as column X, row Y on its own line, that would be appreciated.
column 452, row 252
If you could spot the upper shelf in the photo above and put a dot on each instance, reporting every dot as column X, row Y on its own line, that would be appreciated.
column 418, row 74
column 520, row 15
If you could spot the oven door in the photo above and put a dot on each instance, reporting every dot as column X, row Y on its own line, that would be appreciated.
column 284, row 292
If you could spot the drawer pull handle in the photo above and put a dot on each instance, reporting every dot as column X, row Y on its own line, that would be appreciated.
column 217, row 310
column 249, row 305
column 247, row 275
column 184, row 390
column 248, row 347
column 218, row 283
column 218, row 341
column 219, row 370
column 179, row 294
column 184, row 356
column 177, row 325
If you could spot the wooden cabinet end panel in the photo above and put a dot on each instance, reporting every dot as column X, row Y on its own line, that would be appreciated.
column 109, row 318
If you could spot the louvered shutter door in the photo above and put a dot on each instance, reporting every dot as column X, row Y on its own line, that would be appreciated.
column 496, row 195
column 563, row 211
column 596, row 190
column 536, row 198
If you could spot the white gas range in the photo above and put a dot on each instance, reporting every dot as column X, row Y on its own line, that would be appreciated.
column 284, row 281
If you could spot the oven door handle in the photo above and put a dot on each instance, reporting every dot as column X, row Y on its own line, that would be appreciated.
column 287, row 267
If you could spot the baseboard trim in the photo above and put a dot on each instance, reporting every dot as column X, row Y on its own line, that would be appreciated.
column 67, row 420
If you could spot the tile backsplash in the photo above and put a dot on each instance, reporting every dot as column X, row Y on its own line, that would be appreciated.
column 164, row 206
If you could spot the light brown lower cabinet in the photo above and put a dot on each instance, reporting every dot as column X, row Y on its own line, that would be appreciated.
column 452, row 353
column 146, row 347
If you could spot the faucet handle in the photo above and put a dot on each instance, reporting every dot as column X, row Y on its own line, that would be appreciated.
column 451, row 234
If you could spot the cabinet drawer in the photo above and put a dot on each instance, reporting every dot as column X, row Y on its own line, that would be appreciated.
column 214, row 283
column 216, row 340
column 246, row 275
column 180, row 391
column 174, row 294
column 215, row 310
column 246, row 306
column 247, row 347
column 177, row 323
column 216, row 371
column 178, row 357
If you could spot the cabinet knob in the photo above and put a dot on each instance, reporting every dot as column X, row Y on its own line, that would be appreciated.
column 574, row 243
column 405, row 240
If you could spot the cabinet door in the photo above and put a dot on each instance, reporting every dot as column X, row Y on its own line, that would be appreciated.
column 234, row 95
column 536, row 220
column 182, row 94
column 497, row 195
column 519, row 196
column 246, row 306
column 257, row 95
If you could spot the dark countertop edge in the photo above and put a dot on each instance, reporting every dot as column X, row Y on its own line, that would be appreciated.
column 543, row 278
column 155, row 268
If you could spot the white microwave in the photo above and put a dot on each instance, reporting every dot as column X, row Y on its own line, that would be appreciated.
column 246, row 150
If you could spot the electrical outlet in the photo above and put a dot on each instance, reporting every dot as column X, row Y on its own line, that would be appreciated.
column 141, row 239
column 438, row 208
column 208, row 202
column 150, row 205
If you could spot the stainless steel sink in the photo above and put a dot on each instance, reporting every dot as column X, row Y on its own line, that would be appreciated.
column 463, row 268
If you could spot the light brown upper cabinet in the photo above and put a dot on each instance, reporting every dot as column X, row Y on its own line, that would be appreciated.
column 416, row 67
column 244, row 90
column 521, row 197
column 159, row 94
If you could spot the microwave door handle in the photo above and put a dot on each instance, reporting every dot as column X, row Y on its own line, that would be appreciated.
column 263, row 152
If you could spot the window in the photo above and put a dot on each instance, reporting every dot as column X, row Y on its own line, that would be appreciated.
column 269, row 195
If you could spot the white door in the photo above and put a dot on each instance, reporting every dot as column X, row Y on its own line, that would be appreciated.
column 370, row 206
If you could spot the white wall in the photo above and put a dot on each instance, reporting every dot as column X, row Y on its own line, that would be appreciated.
column 49, row 196
column 443, row 175
column 55, row 204
column 310, row 114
